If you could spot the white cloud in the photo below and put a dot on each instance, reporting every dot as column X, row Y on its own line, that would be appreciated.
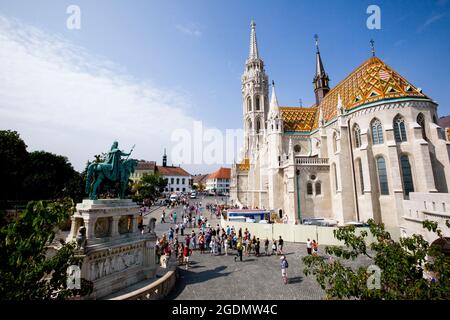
column 191, row 30
column 434, row 18
column 63, row 99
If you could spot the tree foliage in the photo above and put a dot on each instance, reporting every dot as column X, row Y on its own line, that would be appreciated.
column 26, row 270
column 410, row 268
column 149, row 187
column 13, row 162
column 50, row 176
column 38, row 175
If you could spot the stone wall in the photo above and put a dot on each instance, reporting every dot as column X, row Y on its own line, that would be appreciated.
column 298, row 233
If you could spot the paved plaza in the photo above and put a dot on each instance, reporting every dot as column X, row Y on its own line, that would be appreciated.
column 221, row 278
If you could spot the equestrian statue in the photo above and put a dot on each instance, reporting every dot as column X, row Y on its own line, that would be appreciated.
column 114, row 168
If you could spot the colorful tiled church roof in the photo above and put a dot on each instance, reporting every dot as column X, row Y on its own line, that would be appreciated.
column 298, row 119
column 244, row 165
column 371, row 82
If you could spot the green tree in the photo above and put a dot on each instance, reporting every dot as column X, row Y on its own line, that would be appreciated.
column 403, row 265
column 50, row 176
column 13, row 163
column 26, row 270
column 201, row 187
column 149, row 187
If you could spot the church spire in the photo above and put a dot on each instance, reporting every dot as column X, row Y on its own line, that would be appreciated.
column 321, row 79
column 274, row 109
column 253, row 54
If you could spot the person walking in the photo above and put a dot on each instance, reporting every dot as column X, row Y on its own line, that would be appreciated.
column 257, row 247
column 182, row 228
column 163, row 217
column 175, row 217
column 280, row 245
column 284, row 265
column 266, row 246
column 201, row 242
column 225, row 244
column 186, row 253
column 308, row 246
column 274, row 247
column 315, row 248
column 239, row 248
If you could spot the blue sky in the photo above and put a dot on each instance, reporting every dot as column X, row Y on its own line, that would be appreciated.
column 193, row 52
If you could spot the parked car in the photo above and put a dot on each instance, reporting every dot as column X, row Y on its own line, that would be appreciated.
column 322, row 222
column 357, row 224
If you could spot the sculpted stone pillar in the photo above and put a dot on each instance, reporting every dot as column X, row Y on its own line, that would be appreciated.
column 115, row 227
column 90, row 226
column 134, row 224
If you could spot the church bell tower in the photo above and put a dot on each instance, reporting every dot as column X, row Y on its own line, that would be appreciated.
column 255, row 94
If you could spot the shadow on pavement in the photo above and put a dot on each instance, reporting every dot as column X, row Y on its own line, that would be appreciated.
column 295, row 280
column 187, row 277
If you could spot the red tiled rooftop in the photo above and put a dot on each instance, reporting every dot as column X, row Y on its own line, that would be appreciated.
column 172, row 171
column 222, row 173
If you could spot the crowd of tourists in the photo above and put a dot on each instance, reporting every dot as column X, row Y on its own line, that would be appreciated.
column 205, row 238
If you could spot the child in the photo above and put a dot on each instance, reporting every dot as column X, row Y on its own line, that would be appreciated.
column 284, row 265
column 274, row 247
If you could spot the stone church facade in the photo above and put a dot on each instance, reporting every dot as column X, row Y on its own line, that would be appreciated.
column 368, row 148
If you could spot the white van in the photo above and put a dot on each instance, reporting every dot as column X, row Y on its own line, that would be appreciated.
column 173, row 198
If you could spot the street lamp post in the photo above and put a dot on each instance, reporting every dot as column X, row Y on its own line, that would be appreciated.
column 298, row 196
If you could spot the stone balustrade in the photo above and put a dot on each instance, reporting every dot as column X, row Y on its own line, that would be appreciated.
column 157, row 289
column 311, row 161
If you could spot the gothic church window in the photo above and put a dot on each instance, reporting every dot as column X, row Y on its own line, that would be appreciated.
column 357, row 135
column 377, row 132
column 309, row 188
column 421, row 122
column 361, row 177
column 318, row 188
column 297, row 148
column 258, row 125
column 382, row 176
column 249, row 104
column 408, row 185
column 257, row 104
column 399, row 129
column 333, row 169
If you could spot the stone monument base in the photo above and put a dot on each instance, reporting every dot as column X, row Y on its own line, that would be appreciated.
column 116, row 254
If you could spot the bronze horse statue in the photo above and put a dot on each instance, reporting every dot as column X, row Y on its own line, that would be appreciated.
column 97, row 172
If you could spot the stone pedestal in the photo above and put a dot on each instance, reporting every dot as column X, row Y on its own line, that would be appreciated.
column 117, row 255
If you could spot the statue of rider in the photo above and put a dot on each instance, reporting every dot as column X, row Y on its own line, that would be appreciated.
column 114, row 160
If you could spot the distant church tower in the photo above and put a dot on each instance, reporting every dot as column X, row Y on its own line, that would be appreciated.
column 255, row 94
column 164, row 160
column 321, row 87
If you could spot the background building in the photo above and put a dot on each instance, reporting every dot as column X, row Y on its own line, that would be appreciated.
column 142, row 168
column 219, row 181
column 200, row 180
column 178, row 179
